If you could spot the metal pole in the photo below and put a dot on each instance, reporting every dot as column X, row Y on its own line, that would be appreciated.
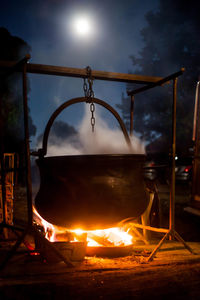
column 131, row 115
column 2, row 166
column 3, row 189
column 154, row 84
column 27, row 147
column 172, row 190
column 196, row 143
column 195, row 112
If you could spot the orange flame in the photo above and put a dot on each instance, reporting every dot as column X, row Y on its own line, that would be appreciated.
column 115, row 236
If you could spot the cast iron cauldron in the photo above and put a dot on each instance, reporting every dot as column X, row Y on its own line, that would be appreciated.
column 90, row 191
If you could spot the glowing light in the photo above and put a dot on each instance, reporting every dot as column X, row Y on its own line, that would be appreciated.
column 49, row 229
column 78, row 231
column 110, row 237
column 82, row 26
column 115, row 236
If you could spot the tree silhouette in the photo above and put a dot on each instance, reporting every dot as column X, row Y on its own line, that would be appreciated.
column 12, row 128
column 171, row 41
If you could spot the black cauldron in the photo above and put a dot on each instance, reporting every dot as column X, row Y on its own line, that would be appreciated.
column 91, row 191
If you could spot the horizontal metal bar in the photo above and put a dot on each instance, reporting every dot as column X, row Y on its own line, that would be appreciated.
column 159, row 82
column 80, row 73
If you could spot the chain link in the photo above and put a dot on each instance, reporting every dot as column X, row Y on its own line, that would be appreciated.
column 92, row 109
column 89, row 94
column 85, row 88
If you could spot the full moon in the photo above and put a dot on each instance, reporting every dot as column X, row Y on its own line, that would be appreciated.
column 82, row 26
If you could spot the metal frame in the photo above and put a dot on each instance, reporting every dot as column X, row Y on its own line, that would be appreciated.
column 25, row 67
column 171, row 233
column 9, row 66
column 30, row 228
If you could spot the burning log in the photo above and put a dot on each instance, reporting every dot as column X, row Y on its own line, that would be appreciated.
column 101, row 240
column 110, row 242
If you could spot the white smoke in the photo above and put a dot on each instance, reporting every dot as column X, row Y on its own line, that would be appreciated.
column 103, row 140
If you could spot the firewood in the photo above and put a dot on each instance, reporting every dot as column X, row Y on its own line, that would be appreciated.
column 101, row 240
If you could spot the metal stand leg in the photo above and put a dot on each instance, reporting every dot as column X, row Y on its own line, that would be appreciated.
column 150, row 258
column 172, row 233
column 179, row 238
column 13, row 250
column 34, row 232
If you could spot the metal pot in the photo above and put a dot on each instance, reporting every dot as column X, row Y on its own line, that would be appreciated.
column 91, row 191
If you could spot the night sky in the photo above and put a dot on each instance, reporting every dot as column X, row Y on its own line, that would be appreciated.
column 47, row 26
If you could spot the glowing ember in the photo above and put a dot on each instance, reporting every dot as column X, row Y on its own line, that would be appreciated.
column 115, row 236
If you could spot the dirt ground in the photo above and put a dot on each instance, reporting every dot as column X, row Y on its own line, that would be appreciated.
column 174, row 272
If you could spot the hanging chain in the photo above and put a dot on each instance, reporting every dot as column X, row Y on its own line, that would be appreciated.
column 89, row 94
column 92, row 109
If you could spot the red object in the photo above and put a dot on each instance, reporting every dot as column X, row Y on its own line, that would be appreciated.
column 152, row 164
column 187, row 169
column 30, row 248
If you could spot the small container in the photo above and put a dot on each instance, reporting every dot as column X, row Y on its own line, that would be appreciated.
column 72, row 251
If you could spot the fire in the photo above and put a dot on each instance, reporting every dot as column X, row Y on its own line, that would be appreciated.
column 115, row 236
column 49, row 229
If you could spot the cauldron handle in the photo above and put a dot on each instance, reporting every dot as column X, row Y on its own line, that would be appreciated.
column 42, row 152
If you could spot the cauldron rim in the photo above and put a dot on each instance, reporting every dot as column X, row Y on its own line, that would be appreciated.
column 127, row 155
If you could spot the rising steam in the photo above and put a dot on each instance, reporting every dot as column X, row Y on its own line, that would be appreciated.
column 83, row 141
column 103, row 140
